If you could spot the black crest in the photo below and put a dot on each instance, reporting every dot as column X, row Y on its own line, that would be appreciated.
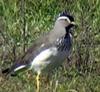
column 66, row 14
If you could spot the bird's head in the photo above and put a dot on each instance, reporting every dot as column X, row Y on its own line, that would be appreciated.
column 63, row 25
column 66, row 20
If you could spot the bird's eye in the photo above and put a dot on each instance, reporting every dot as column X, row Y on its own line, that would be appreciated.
column 65, row 19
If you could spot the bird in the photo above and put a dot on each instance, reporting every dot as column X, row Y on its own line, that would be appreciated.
column 48, row 51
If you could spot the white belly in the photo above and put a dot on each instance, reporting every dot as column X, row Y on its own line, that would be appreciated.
column 48, row 58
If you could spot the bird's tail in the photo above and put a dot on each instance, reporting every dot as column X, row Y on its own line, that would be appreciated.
column 15, row 71
column 6, row 71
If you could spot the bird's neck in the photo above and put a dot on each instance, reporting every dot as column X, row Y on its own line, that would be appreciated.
column 58, row 30
column 68, row 33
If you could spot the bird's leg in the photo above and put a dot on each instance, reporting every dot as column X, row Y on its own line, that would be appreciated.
column 69, row 60
column 38, row 81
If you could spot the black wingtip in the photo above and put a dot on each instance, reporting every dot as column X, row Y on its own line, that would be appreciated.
column 5, row 71
column 13, row 74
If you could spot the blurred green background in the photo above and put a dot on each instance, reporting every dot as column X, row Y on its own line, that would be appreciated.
column 23, row 21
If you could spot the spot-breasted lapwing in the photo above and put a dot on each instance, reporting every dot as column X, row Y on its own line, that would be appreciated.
column 49, row 51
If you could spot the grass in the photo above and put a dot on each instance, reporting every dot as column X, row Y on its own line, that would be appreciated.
column 23, row 22
column 61, row 81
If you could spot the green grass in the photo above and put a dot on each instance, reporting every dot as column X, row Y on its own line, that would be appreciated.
column 61, row 81
column 23, row 22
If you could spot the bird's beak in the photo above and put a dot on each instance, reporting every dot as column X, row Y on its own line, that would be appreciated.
column 73, row 23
